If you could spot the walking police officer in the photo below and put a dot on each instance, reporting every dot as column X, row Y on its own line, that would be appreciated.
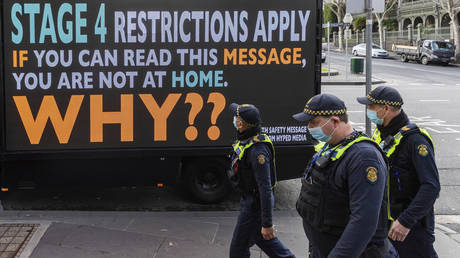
column 253, row 175
column 343, row 196
column 414, row 178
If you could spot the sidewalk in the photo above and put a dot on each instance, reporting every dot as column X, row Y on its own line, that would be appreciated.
column 160, row 234
column 344, row 78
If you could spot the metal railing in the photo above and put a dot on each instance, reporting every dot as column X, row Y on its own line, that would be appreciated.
column 417, row 3
column 398, row 37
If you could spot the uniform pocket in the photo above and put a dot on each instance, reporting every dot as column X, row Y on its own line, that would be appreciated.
column 336, row 210
column 310, row 193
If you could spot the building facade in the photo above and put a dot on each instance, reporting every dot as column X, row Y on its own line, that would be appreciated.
column 424, row 12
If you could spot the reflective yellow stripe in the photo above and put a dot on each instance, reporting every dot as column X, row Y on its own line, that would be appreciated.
column 376, row 136
column 388, row 198
column 397, row 140
column 319, row 146
column 240, row 150
column 340, row 150
column 425, row 132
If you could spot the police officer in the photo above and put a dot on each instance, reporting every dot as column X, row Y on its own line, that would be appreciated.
column 253, row 175
column 414, row 178
column 342, row 199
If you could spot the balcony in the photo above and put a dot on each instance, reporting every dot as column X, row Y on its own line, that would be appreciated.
column 417, row 8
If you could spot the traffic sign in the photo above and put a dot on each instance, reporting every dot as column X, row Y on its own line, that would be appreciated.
column 348, row 18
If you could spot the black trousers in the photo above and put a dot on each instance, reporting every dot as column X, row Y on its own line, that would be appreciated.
column 418, row 243
column 248, row 232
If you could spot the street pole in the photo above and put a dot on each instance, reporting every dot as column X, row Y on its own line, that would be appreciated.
column 328, row 50
column 368, row 58
column 346, row 53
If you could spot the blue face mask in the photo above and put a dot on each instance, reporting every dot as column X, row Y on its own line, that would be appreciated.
column 372, row 115
column 234, row 123
column 318, row 134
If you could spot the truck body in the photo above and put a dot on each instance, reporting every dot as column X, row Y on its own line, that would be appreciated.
column 137, row 92
column 427, row 51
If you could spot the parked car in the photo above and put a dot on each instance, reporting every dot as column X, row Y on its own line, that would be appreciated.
column 427, row 51
column 323, row 57
column 377, row 51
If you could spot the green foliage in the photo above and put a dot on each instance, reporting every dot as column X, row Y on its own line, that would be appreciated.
column 391, row 24
column 328, row 15
column 359, row 23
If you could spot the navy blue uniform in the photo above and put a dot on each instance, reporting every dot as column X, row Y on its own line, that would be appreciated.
column 415, row 188
column 367, row 225
column 343, row 200
column 419, row 215
column 414, row 178
column 257, row 208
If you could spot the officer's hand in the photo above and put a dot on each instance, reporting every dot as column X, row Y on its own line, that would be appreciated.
column 268, row 233
column 398, row 232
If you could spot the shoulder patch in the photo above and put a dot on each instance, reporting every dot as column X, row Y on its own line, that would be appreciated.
column 422, row 150
column 261, row 159
column 405, row 128
column 371, row 174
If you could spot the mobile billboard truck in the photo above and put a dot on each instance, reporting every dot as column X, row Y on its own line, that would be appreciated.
column 136, row 92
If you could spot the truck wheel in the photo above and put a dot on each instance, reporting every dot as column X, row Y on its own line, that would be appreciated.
column 425, row 60
column 404, row 58
column 355, row 53
column 206, row 178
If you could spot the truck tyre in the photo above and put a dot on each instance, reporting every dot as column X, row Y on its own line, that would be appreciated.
column 355, row 53
column 404, row 58
column 206, row 178
column 425, row 60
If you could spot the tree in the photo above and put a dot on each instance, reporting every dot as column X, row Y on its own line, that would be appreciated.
column 449, row 6
column 328, row 16
column 338, row 7
column 391, row 24
column 359, row 23
column 389, row 5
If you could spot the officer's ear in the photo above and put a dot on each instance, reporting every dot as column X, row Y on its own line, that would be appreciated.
column 239, row 122
column 388, row 108
column 336, row 120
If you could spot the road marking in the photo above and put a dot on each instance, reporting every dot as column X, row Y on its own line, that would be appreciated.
column 458, row 84
column 438, row 84
column 458, row 139
column 449, row 130
column 434, row 100
column 436, row 125
column 448, row 219
column 415, row 84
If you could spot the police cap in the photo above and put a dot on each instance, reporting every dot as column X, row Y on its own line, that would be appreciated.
column 248, row 112
column 321, row 105
column 383, row 95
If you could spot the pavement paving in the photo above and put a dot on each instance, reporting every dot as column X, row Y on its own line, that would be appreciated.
column 163, row 234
